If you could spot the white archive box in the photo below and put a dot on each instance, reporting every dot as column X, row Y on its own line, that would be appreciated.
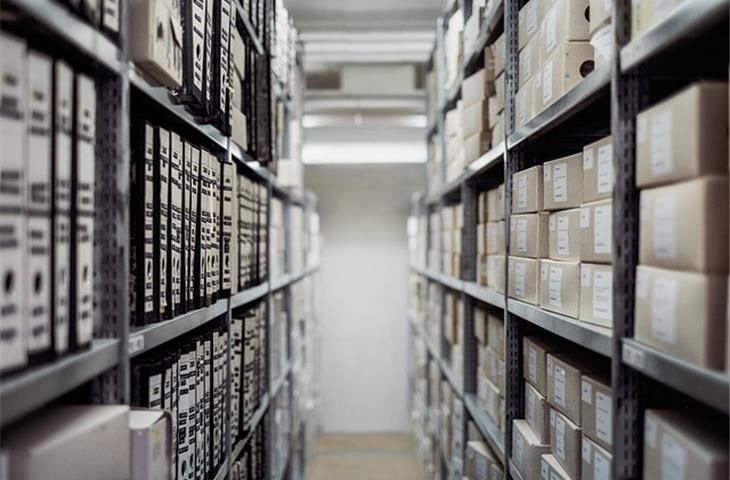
column 156, row 44
column 38, row 191
column 598, row 175
column 13, row 86
column 596, row 294
column 559, row 286
column 564, row 235
column 563, row 182
column 150, row 444
column 596, row 232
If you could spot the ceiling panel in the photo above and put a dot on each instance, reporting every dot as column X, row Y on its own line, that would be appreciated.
column 359, row 14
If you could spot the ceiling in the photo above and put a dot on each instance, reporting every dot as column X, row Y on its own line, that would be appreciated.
column 363, row 14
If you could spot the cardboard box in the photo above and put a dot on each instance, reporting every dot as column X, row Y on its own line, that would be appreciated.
column 529, row 235
column 493, row 400
column 523, row 104
column 476, row 145
column 495, row 332
column 496, row 272
column 498, row 54
column 499, row 92
column 563, row 182
column 475, row 118
column 482, row 207
column 529, row 59
column 564, row 235
column 666, row 301
column 476, row 88
column 478, row 460
column 564, row 380
column 526, row 449
column 563, row 21
column 551, row 468
column 559, row 287
column 537, row 413
column 535, row 351
column 598, row 174
column 527, row 193
column 528, row 22
column 595, row 461
column 156, row 46
column 523, row 279
column 685, row 225
column 472, row 26
column 565, row 443
column 495, row 203
column 601, row 13
column 596, row 232
column 498, row 129
column 596, row 294
column 684, row 136
column 678, row 445
column 495, row 110
column 56, row 444
column 568, row 65
column 151, row 443
column 495, row 369
column 239, row 128
column 494, row 238
column 596, row 410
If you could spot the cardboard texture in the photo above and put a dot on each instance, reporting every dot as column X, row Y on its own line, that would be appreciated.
column 529, row 235
column 564, row 379
column 596, row 232
column 565, row 68
column 563, row 21
column 526, row 449
column 537, row 413
column 551, row 468
column 563, row 182
column 559, row 287
column 596, row 294
column 535, row 350
column 564, row 235
column 596, row 409
column 523, row 279
column 565, row 443
column 598, row 174
column 527, row 190
column 595, row 461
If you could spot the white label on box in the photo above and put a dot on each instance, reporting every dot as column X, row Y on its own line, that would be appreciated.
column 520, row 279
column 602, row 229
column 559, row 390
column 664, row 227
column 560, row 437
column 543, row 272
column 521, row 235
column 547, row 170
column 650, row 431
column 552, row 223
column 586, row 392
column 522, row 191
column 519, row 450
column 664, row 309
column 560, row 184
column 547, row 82
column 641, row 129
column 587, row 451
column 601, row 467
column 532, row 364
column 544, row 470
column 603, row 294
column 550, row 31
column 530, row 408
column 642, row 285
column 525, row 65
column 604, row 179
column 136, row 343
column 603, row 417
column 673, row 458
column 531, row 23
column 521, row 98
column 585, row 217
column 555, row 286
column 588, row 159
column 585, row 276
column 563, row 236
column 633, row 356
column 661, row 143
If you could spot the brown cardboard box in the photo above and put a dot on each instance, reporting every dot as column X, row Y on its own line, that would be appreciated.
column 479, row 458
column 529, row 60
column 568, row 65
column 527, row 190
column 563, row 182
column 495, row 238
column 529, row 235
column 498, row 54
column 596, row 409
column 685, row 225
column 565, row 443
column 682, row 313
column 499, row 91
column 564, row 237
column 595, row 461
column 495, row 202
column 157, row 45
column 596, row 234
column 523, row 279
column 563, row 21
column 495, row 332
column 495, row 272
column 476, row 145
column 596, row 294
column 598, row 174
column 678, row 445
column 601, row 13
column 498, row 129
column 552, row 469
column 495, row 109
column 559, row 287
column 523, row 104
column 528, row 22
column 526, row 450
column 492, row 397
column 475, row 88
column 684, row 136
column 537, row 413
column 535, row 350
column 564, row 380
column 475, row 118
column 495, row 369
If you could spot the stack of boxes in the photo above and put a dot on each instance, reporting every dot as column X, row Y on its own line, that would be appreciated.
column 475, row 114
column 561, row 235
column 453, row 47
column 682, row 172
column 567, row 430
column 454, row 331
column 490, row 238
column 452, row 222
column 489, row 332
column 554, row 53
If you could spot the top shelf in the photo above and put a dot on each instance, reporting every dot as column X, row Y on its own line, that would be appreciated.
column 689, row 19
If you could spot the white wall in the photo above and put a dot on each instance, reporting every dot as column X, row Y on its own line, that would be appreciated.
column 364, row 268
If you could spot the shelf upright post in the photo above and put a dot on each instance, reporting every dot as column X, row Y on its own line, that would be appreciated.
column 627, row 94
column 514, row 161
column 229, row 367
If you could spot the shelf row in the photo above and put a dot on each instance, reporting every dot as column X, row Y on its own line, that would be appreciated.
column 37, row 386
column 491, row 159
column 707, row 386
column 487, row 34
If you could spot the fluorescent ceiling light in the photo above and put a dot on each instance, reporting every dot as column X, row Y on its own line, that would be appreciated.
column 363, row 153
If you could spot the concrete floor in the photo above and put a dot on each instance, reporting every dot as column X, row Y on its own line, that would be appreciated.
column 363, row 457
